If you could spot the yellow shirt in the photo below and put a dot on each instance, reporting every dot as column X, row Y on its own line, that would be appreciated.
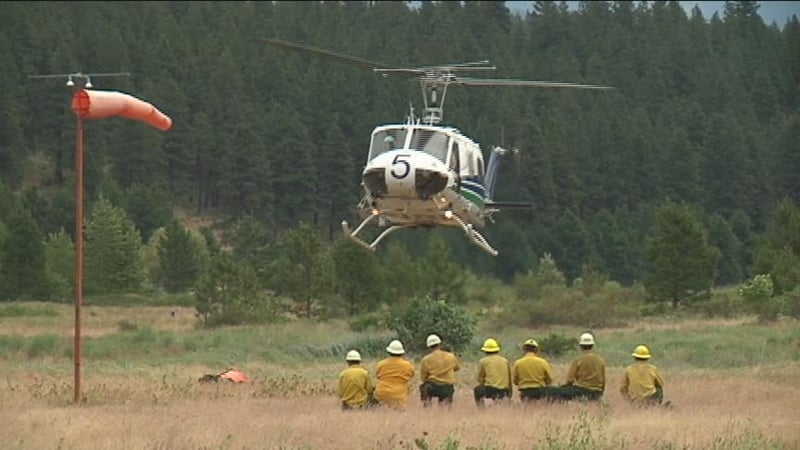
column 532, row 371
column 495, row 371
column 354, row 386
column 394, row 375
column 588, row 371
column 640, row 380
column 440, row 367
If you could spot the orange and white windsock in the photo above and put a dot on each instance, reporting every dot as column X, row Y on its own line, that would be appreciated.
column 101, row 104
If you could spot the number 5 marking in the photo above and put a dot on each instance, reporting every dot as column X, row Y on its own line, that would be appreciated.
column 402, row 162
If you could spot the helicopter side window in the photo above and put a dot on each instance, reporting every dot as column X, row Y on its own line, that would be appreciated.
column 471, row 164
column 386, row 140
column 454, row 159
column 431, row 142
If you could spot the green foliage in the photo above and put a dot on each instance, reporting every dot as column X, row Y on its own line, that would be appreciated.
column 792, row 302
column 759, row 294
column 228, row 294
column 367, row 322
column 149, row 207
column 556, row 344
column 16, row 310
column 113, row 260
column 179, row 259
column 723, row 304
column 440, row 276
column 22, row 258
column 548, row 273
column 60, row 265
column 425, row 315
column 681, row 260
column 598, row 165
column 357, row 276
column 778, row 252
column 304, row 271
column 610, row 306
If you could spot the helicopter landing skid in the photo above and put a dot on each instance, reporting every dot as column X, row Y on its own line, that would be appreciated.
column 473, row 234
column 352, row 234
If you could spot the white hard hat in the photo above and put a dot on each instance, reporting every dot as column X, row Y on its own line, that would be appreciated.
column 586, row 339
column 395, row 348
column 433, row 340
column 353, row 355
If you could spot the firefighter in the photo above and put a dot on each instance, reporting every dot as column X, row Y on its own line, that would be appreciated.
column 531, row 373
column 438, row 373
column 586, row 378
column 642, row 383
column 355, row 385
column 494, row 374
column 394, row 374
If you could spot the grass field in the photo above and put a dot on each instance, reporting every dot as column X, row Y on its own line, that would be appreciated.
column 734, row 385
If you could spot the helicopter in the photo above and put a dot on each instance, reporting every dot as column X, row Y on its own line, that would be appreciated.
column 421, row 173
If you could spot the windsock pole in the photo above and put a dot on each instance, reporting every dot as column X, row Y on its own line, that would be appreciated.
column 78, row 254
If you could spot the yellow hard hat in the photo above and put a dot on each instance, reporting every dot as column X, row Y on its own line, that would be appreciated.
column 641, row 352
column 531, row 343
column 490, row 346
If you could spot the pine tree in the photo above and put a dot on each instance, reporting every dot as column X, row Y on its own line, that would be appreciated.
column 681, row 260
column 22, row 258
column 304, row 270
column 179, row 260
column 357, row 276
column 113, row 260
column 778, row 252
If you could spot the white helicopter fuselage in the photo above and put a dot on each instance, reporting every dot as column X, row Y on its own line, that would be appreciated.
column 423, row 175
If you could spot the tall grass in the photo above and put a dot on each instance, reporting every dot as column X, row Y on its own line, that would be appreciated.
column 733, row 384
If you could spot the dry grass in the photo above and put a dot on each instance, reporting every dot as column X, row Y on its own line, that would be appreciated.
column 167, row 409
column 97, row 320
column 153, row 404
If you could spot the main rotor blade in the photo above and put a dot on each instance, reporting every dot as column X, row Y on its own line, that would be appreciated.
column 79, row 74
column 523, row 83
column 358, row 62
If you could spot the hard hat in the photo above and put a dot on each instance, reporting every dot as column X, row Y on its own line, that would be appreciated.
column 586, row 339
column 388, row 138
column 353, row 355
column 395, row 348
column 490, row 346
column 531, row 343
column 641, row 352
column 433, row 340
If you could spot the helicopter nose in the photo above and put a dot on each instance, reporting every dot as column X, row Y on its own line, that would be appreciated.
column 429, row 182
column 375, row 182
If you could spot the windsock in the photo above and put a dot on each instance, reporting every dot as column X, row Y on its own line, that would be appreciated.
column 101, row 104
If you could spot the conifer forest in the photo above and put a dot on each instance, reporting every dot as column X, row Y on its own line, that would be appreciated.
column 267, row 147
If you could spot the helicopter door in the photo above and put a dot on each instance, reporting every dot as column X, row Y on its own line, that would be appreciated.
column 455, row 164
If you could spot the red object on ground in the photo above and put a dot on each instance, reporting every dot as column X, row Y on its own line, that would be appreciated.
column 234, row 376
column 101, row 104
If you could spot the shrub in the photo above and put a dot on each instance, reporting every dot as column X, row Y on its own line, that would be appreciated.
column 759, row 294
column 366, row 322
column 725, row 305
column 792, row 303
column 556, row 344
column 425, row 315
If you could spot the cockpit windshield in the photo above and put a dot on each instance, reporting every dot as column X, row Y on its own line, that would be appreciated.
column 433, row 142
column 387, row 140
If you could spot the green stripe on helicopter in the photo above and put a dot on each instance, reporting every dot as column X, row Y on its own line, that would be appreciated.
column 473, row 197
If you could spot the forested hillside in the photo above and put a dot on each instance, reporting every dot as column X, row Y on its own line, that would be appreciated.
column 704, row 114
